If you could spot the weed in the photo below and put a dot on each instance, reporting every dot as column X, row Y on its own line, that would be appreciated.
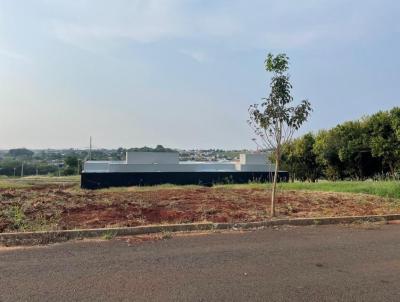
column 289, row 208
column 166, row 235
column 108, row 202
column 17, row 217
column 108, row 235
column 316, row 222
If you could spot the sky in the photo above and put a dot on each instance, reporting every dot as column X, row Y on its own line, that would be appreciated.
column 182, row 73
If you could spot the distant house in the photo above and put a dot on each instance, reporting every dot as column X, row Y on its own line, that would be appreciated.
column 151, row 168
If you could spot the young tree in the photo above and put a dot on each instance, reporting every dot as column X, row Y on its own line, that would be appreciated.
column 274, row 120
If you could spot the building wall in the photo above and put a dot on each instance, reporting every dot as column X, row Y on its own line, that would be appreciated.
column 96, row 166
column 169, row 162
column 254, row 159
column 105, row 180
column 152, row 157
column 254, row 168
column 121, row 167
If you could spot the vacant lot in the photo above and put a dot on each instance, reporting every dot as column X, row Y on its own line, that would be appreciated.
column 40, row 204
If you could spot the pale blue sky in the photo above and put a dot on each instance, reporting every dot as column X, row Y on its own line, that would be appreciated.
column 183, row 73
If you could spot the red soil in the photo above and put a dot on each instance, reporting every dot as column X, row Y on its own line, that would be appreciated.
column 67, row 207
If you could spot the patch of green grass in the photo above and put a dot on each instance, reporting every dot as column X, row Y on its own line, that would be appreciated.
column 29, row 181
column 50, row 179
column 9, row 183
column 389, row 189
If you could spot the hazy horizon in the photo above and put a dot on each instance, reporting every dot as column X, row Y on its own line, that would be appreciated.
column 183, row 73
column 124, row 147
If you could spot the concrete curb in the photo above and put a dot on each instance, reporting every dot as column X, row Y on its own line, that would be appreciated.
column 46, row 237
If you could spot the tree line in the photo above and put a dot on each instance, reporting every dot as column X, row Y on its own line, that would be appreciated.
column 22, row 161
column 357, row 150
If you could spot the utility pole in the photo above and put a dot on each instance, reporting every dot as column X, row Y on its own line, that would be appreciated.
column 22, row 170
column 258, row 146
column 90, row 149
column 78, row 167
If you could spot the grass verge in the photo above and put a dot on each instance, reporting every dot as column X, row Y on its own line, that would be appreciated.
column 390, row 189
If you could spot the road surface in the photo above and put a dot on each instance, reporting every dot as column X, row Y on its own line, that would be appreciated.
column 317, row 263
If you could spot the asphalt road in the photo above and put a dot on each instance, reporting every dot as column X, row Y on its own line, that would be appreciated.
column 319, row 263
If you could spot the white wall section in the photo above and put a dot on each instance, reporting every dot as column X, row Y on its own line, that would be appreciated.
column 152, row 157
column 169, row 162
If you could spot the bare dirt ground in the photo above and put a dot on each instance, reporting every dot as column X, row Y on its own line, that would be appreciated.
column 45, row 207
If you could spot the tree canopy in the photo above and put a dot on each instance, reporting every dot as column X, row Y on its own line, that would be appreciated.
column 20, row 153
column 360, row 149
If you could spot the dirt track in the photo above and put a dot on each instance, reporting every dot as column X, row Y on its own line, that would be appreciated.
column 67, row 207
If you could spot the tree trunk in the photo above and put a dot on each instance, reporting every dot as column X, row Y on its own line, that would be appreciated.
column 391, row 168
column 277, row 157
